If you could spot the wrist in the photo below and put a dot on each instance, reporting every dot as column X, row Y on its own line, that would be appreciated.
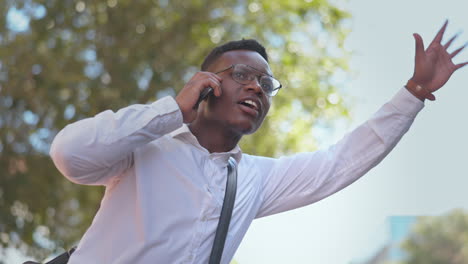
column 419, row 91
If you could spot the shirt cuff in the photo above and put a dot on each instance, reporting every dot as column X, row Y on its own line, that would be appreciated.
column 167, row 105
column 167, row 108
column 156, row 119
column 407, row 103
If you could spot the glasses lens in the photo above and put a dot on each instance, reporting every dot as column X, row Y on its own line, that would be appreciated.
column 244, row 74
column 270, row 85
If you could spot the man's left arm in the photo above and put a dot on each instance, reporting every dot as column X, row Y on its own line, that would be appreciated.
column 304, row 178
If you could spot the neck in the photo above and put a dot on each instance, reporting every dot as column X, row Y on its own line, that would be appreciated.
column 213, row 137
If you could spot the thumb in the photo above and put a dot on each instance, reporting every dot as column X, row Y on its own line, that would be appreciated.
column 419, row 54
column 431, row 97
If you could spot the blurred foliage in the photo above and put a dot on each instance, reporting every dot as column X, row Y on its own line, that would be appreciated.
column 439, row 240
column 64, row 60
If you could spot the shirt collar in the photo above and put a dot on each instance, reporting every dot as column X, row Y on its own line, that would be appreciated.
column 185, row 134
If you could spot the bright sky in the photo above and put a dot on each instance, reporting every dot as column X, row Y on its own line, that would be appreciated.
column 425, row 174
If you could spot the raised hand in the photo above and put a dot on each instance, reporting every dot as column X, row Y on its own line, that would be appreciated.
column 433, row 66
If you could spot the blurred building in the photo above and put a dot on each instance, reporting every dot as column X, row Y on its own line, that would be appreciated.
column 397, row 229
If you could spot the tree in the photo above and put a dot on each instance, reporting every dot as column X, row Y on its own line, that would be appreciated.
column 439, row 240
column 64, row 60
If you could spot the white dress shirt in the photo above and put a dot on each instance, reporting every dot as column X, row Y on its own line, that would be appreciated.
column 164, row 191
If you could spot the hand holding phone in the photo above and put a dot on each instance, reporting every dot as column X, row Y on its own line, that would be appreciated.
column 203, row 95
column 197, row 89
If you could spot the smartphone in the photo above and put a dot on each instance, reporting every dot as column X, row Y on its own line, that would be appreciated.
column 203, row 95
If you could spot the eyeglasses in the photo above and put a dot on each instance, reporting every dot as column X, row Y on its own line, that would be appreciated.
column 245, row 74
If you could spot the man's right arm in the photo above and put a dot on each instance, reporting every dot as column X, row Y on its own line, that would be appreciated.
column 93, row 150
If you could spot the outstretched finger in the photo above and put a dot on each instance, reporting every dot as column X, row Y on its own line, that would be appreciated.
column 453, row 54
column 458, row 66
column 419, row 46
column 450, row 41
column 440, row 34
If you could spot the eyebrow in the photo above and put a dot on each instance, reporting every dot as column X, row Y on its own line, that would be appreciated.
column 271, row 75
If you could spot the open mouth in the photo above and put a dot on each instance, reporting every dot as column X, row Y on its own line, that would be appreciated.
column 251, row 104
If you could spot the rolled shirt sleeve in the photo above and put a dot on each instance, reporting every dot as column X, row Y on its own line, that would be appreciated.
column 94, row 150
column 304, row 178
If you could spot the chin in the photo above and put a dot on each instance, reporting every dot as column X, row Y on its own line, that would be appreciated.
column 251, row 131
column 248, row 129
column 245, row 126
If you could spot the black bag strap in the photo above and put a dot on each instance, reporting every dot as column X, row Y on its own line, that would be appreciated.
column 60, row 259
column 226, row 213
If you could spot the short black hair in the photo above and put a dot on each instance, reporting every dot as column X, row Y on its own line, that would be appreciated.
column 243, row 44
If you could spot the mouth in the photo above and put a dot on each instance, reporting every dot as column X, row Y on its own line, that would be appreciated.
column 250, row 106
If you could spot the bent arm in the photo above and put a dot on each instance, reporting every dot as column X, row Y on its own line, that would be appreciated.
column 306, row 178
column 94, row 150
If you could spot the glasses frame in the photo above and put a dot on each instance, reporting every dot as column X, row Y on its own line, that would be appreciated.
column 273, row 92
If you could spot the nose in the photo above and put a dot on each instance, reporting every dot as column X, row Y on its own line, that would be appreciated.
column 254, row 86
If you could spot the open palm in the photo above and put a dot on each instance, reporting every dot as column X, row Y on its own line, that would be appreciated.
column 434, row 66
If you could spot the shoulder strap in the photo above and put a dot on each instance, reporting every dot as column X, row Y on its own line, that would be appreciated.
column 226, row 213
column 60, row 259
